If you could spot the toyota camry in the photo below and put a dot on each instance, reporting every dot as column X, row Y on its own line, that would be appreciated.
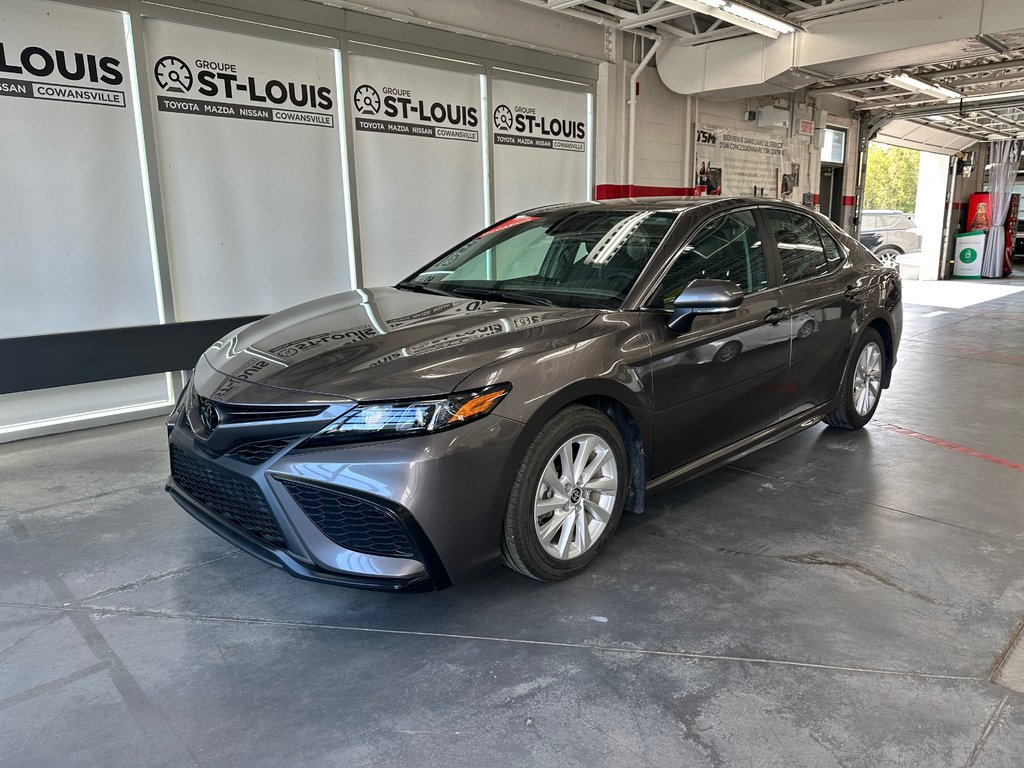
column 511, row 400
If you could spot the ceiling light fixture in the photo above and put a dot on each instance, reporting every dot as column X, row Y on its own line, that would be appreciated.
column 741, row 15
column 911, row 83
column 993, row 96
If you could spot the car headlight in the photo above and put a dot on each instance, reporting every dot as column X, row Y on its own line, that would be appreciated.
column 382, row 421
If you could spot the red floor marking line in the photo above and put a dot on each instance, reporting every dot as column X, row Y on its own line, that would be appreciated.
column 954, row 447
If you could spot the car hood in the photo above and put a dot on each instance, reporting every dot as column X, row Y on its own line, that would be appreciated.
column 383, row 343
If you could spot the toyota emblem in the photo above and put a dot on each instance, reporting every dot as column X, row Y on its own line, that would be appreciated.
column 209, row 415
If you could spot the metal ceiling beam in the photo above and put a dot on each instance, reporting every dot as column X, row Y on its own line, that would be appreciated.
column 957, row 107
column 591, row 17
column 1003, row 119
column 651, row 17
column 929, row 76
column 559, row 5
column 667, row 29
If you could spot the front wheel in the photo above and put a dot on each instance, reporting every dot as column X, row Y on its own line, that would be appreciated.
column 862, row 383
column 567, row 497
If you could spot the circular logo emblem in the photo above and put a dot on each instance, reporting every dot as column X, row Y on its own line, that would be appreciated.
column 575, row 496
column 366, row 100
column 173, row 74
column 209, row 415
column 967, row 255
column 503, row 118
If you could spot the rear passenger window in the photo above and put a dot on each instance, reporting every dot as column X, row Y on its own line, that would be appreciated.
column 728, row 248
column 800, row 245
column 834, row 253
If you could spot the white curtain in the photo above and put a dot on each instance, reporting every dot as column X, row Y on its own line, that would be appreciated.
column 1004, row 157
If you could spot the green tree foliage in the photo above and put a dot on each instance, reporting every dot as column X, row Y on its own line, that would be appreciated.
column 891, row 181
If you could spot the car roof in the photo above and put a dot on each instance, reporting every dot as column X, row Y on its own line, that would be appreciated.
column 670, row 204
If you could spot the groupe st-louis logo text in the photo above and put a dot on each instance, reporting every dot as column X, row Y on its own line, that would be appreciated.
column 173, row 74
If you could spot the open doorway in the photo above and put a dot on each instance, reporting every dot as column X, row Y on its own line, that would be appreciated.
column 833, row 174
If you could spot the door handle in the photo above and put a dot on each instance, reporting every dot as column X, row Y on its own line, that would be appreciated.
column 777, row 315
column 852, row 290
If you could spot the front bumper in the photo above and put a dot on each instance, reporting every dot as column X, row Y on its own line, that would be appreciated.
column 280, row 558
column 439, row 499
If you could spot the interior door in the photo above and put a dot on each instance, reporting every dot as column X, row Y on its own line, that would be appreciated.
column 724, row 378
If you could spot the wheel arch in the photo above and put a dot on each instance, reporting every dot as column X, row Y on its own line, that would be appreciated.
column 628, row 414
column 882, row 325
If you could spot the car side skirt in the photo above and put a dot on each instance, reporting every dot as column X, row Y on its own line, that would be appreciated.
column 743, row 447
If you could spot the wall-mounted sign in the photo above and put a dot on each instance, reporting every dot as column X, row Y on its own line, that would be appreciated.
column 73, row 215
column 528, row 117
column 384, row 107
column 215, row 84
column 40, row 69
column 521, row 125
column 418, row 162
column 735, row 162
column 254, row 201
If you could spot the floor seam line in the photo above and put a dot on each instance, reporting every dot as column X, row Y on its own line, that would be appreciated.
column 100, row 495
column 989, row 727
column 518, row 641
column 155, row 577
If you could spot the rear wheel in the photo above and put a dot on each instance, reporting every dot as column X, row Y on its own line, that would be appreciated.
column 567, row 497
column 862, row 383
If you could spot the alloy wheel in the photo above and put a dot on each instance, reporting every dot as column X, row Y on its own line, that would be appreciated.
column 575, row 496
column 867, row 379
column 887, row 257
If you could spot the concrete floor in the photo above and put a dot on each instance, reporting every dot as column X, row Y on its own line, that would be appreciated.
column 836, row 599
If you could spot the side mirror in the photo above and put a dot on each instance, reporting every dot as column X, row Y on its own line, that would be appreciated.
column 704, row 297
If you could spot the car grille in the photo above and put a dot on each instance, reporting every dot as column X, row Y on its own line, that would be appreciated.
column 352, row 522
column 229, row 496
column 234, row 413
column 260, row 451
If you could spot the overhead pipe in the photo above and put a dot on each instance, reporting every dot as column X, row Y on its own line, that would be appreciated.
column 633, row 80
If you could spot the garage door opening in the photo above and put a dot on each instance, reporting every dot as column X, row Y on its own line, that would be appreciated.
column 904, row 208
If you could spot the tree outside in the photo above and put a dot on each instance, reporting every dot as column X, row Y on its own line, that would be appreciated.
column 891, row 181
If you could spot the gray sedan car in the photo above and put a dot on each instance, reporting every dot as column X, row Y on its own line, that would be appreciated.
column 508, row 402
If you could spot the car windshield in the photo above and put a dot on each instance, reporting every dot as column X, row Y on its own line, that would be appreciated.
column 573, row 258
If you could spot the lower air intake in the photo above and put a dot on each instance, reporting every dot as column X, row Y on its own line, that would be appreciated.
column 352, row 522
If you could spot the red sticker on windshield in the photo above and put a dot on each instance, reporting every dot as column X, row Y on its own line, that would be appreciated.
column 513, row 222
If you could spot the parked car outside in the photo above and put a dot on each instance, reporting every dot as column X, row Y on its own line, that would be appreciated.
column 508, row 402
column 889, row 234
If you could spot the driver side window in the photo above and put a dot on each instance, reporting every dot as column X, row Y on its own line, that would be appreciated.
column 727, row 248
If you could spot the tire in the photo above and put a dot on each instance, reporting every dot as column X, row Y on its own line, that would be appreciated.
column 533, row 504
column 852, row 413
column 728, row 352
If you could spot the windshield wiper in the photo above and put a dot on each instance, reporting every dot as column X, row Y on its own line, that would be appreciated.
column 421, row 288
column 501, row 295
